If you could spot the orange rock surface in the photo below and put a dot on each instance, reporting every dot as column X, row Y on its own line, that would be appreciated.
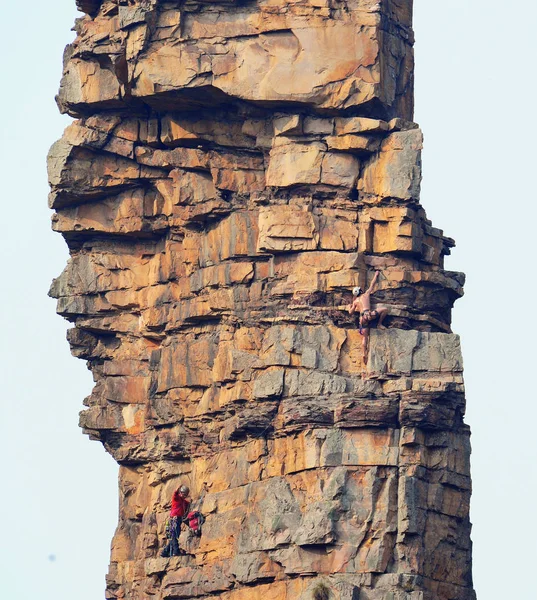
column 234, row 170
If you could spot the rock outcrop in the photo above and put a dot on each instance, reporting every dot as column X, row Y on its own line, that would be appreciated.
column 234, row 169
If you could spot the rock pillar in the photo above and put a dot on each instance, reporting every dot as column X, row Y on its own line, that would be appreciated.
column 234, row 170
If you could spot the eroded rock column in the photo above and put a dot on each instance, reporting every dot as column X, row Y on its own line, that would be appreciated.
column 234, row 169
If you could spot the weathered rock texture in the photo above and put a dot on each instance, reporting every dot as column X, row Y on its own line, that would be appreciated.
column 234, row 167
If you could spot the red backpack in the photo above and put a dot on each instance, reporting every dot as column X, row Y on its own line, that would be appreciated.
column 195, row 520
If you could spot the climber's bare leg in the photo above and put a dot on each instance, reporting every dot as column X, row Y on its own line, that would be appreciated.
column 382, row 312
column 365, row 344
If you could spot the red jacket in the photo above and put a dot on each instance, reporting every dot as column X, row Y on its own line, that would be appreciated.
column 179, row 505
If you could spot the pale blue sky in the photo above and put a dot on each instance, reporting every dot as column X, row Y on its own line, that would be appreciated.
column 475, row 98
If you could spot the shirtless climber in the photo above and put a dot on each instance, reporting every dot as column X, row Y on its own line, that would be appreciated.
column 180, row 506
column 362, row 305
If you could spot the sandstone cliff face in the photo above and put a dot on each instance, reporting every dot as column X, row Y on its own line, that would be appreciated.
column 234, row 170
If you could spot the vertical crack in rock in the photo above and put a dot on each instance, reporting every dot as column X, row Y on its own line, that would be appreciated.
column 233, row 171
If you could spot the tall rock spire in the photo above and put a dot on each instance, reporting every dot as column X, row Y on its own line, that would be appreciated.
column 234, row 170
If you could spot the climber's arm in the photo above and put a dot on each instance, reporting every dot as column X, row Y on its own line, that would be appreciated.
column 373, row 283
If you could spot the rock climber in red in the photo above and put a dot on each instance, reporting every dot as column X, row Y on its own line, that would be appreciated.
column 180, row 506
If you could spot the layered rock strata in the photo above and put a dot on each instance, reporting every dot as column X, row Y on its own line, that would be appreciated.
column 234, row 169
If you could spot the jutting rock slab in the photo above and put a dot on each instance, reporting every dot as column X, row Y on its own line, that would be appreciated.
column 234, row 169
